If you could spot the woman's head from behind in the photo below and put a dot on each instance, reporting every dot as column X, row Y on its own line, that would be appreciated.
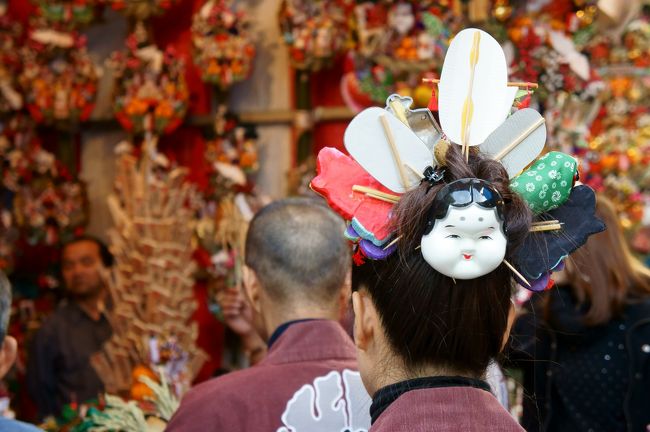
column 410, row 319
column 604, row 274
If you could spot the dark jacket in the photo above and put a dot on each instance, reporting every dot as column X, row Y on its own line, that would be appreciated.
column 59, row 370
column 307, row 382
column 538, row 348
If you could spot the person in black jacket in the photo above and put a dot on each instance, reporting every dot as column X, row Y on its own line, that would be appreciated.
column 584, row 346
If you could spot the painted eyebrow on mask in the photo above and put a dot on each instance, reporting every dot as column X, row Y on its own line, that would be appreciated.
column 450, row 226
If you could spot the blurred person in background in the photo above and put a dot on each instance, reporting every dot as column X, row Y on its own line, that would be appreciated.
column 8, row 352
column 584, row 345
column 59, row 370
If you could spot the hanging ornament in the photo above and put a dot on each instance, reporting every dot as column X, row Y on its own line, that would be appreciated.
column 141, row 9
column 502, row 10
column 314, row 31
column 151, row 92
column 404, row 36
column 230, row 203
column 48, row 205
column 397, row 44
column 223, row 50
column 58, row 79
column 232, row 156
column 10, row 98
column 66, row 14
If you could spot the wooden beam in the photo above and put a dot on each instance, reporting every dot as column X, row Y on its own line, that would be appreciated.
column 270, row 117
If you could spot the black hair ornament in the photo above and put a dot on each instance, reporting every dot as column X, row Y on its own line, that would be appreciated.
column 433, row 176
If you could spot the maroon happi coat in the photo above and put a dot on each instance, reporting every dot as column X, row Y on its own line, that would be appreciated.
column 449, row 409
column 307, row 383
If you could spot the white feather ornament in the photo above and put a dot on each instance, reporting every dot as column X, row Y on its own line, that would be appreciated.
column 368, row 140
column 474, row 94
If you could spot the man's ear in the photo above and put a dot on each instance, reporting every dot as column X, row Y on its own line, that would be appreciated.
column 365, row 320
column 8, row 352
column 251, row 288
column 344, row 296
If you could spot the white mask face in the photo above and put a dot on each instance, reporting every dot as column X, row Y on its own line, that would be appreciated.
column 466, row 244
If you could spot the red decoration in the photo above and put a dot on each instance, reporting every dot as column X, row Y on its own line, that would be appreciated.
column 223, row 50
column 337, row 173
column 152, row 93
column 433, row 102
column 59, row 86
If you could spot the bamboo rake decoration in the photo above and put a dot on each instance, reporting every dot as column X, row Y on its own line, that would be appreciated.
column 150, row 285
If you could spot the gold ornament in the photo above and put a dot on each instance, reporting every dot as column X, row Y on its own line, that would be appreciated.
column 440, row 152
column 502, row 12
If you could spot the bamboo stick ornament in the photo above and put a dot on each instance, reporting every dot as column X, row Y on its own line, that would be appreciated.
column 520, row 84
column 546, row 227
column 546, row 222
column 394, row 151
column 394, row 241
column 380, row 198
column 374, row 193
column 519, row 275
column 519, row 139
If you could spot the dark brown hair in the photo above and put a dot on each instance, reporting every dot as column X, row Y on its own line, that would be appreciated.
column 104, row 253
column 603, row 274
column 429, row 318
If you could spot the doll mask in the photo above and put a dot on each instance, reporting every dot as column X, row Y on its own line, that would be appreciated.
column 465, row 237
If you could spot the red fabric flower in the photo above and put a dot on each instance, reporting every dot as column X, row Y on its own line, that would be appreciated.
column 358, row 258
column 337, row 173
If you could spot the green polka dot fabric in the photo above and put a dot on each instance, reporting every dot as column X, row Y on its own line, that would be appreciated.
column 547, row 184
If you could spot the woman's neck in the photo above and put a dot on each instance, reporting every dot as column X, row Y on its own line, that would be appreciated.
column 395, row 371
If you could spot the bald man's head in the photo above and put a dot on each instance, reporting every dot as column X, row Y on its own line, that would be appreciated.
column 298, row 252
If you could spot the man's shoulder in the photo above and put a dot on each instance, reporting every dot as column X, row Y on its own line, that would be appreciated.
column 64, row 311
column 230, row 382
column 274, row 395
column 7, row 425
column 218, row 402
column 60, row 316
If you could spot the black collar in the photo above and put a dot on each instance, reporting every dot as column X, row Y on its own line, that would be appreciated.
column 387, row 395
column 282, row 328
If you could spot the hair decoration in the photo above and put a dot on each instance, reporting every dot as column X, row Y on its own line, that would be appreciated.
column 433, row 175
column 547, row 184
column 466, row 234
column 543, row 251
